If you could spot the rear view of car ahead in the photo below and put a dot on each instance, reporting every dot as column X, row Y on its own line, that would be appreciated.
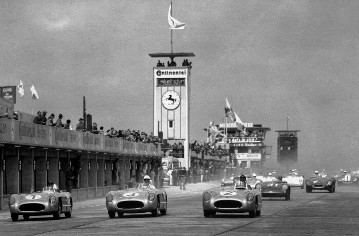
column 276, row 188
column 136, row 200
column 320, row 183
column 228, row 199
column 46, row 202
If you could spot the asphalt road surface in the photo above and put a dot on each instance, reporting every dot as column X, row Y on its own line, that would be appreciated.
column 317, row 213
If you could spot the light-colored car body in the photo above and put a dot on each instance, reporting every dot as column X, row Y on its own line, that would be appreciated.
column 295, row 180
column 348, row 179
column 228, row 199
column 45, row 202
column 136, row 200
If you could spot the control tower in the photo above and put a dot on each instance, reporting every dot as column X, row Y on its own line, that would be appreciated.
column 171, row 100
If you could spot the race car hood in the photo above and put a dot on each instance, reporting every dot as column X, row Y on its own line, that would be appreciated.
column 35, row 196
column 272, row 185
column 319, row 180
column 132, row 193
column 228, row 191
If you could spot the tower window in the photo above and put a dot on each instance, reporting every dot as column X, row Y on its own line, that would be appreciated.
column 170, row 123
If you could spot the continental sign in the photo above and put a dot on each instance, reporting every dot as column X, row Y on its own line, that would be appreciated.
column 30, row 134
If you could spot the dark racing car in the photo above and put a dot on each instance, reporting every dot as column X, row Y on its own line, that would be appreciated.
column 275, row 188
column 320, row 183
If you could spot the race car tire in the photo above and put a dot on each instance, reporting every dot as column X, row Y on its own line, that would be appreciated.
column 163, row 211
column 207, row 213
column 57, row 214
column 332, row 189
column 259, row 212
column 111, row 214
column 287, row 196
column 120, row 214
column 69, row 213
column 308, row 189
column 14, row 217
column 26, row 217
column 253, row 213
column 155, row 212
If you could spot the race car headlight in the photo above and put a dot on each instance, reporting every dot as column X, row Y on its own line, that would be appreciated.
column 151, row 196
column 12, row 200
column 329, row 182
column 52, row 199
column 250, row 197
column 206, row 196
column 258, row 186
column 284, row 187
column 109, row 198
column 355, row 179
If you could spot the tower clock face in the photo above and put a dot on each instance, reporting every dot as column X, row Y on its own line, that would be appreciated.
column 171, row 100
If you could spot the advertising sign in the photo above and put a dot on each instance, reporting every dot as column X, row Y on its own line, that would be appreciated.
column 9, row 93
column 248, row 156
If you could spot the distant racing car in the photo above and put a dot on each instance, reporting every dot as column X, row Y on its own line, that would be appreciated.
column 275, row 188
column 348, row 179
column 295, row 180
column 136, row 200
column 49, row 201
column 320, row 183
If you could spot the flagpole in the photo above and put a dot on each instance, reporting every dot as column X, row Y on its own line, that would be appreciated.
column 171, row 34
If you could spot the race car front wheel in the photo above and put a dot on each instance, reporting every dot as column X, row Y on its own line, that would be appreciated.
column 57, row 214
column 14, row 216
column 111, row 214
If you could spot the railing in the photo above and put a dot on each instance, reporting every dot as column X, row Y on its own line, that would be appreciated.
column 25, row 133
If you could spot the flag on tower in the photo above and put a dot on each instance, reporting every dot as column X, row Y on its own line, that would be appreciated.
column 229, row 112
column 239, row 123
column 20, row 89
column 174, row 24
column 34, row 95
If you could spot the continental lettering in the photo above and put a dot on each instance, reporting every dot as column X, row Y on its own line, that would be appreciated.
column 171, row 72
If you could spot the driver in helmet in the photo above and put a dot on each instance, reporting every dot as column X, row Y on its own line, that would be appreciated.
column 147, row 182
column 241, row 183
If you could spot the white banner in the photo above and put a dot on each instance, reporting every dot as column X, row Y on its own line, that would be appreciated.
column 248, row 156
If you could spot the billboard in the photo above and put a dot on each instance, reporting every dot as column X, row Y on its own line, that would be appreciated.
column 8, row 93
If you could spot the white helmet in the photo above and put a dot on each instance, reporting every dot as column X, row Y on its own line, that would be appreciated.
column 270, row 174
column 254, row 175
column 146, row 177
column 316, row 172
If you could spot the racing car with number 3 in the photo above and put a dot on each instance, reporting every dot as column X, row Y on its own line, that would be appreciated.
column 49, row 201
column 136, row 200
column 231, row 199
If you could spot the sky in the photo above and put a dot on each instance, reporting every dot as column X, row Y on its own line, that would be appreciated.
column 271, row 59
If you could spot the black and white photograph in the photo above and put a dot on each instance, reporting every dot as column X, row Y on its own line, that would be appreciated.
column 169, row 117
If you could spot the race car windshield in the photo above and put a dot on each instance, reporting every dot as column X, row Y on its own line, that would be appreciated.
column 47, row 189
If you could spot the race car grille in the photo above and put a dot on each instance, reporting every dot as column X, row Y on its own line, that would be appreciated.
column 32, row 207
column 318, row 185
column 228, row 204
column 130, row 204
